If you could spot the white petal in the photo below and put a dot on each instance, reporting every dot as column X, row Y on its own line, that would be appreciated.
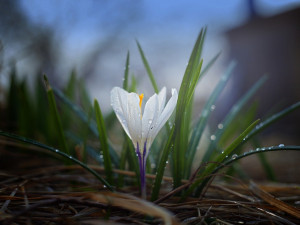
column 118, row 99
column 150, row 117
column 134, row 119
column 162, row 99
column 166, row 113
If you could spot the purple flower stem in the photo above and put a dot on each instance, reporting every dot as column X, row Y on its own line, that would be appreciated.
column 142, row 164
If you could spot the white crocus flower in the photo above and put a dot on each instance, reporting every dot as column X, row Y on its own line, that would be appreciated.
column 140, row 125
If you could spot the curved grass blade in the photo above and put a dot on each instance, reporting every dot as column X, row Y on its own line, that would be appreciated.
column 103, row 141
column 261, row 126
column 81, row 115
column 230, row 118
column 246, row 154
column 220, row 158
column 56, row 151
column 54, row 112
column 201, row 123
column 148, row 69
column 161, row 166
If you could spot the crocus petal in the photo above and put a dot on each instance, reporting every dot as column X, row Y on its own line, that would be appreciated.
column 162, row 99
column 166, row 113
column 134, row 115
column 150, row 117
column 118, row 100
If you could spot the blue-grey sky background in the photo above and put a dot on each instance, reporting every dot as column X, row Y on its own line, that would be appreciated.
column 166, row 30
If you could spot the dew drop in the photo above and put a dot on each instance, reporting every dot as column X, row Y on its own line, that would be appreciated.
column 220, row 126
column 281, row 145
column 70, row 157
column 234, row 156
column 213, row 137
column 150, row 121
column 104, row 186
column 257, row 149
column 205, row 113
column 56, row 150
column 212, row 108
column 222, row 152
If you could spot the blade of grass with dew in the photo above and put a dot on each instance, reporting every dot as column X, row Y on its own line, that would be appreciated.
column 220, row 158
column 103, row 141
column 240, row 121
column 81, row 115
column 162, row 165
column 58, row 152
column 264, row 161
column 54, row 112
column 230, row 117
column 272, row 119
column 201, row 123
column 182, row 110
column 148, row 69
column 252, row 152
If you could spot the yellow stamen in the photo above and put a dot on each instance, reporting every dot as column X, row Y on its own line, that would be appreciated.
column 141, row 100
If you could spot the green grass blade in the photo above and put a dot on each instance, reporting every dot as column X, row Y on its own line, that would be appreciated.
column 103, row 141
column 272, row 119
column 220, row 158
column 81, row 115
column 209, row 64
column 201, row 123
column 183, row 110
column 55, row 114
column 161, row 166
column 133, row 160
column 70, row 90
column 125, row 80
column 58, row 152
column 123, row 158
column 230, row 117
column 252, row 152
column 148, row 69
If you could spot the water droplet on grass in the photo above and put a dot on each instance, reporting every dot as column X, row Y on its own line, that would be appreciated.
column 220, row 126
column 281, row 145
column 212, row 108
column 213, row 137
column 234, row 156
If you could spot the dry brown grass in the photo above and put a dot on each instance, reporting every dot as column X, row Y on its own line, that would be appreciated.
column 38, row 190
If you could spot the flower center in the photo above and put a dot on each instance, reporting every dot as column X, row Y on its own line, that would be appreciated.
column 141, row 100
column 141, row 96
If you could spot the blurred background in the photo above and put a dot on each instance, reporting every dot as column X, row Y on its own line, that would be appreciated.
column 93, row 37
